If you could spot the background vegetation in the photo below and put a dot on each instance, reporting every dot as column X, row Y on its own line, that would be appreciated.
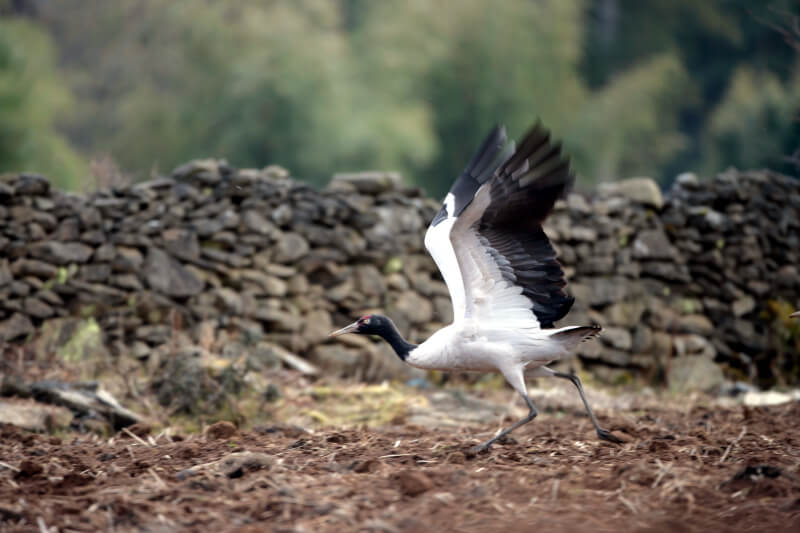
column 633, row 87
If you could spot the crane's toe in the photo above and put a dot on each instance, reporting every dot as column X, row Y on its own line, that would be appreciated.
column 607, row 435
column 478, row 449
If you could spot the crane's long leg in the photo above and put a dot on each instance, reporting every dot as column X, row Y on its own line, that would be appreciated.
column 602, row 433
column 530, row 416
column 515, row 375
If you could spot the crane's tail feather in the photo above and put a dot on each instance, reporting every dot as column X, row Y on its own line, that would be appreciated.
column 571, row 337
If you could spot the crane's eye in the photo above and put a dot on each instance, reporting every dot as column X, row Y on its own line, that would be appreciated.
column 364, row 320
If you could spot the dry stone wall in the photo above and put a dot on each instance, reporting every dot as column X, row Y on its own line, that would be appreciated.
column 241, row 260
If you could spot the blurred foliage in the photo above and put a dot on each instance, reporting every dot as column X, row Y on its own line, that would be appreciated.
column 756, row 124
column 32, row 99
column 633, row 88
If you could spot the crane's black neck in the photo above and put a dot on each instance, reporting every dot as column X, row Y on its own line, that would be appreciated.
column 386, row 329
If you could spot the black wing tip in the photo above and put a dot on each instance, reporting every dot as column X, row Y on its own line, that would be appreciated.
column 484, row 164
column 550, row 313
column 487, row 151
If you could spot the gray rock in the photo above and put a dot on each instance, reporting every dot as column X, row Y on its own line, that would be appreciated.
column 275, row 172
column 229, row 300
column 277, row 319
column 127, row 259
column 229, row 219
column 667, row 271
column 316, row 326
column 90, row 217
column 603, row 290
column 688, row 180
column 281, row 271
column 99, row 272
column 336, row 360
column 290, row 248
column 31, row 185
column 18, row 325
column 34, row 416
column 32, row 267
column 153, row 334
column 581, row 233
column 414, row 308
column 37, row 308
column 61, row 253
column 642, row 339
column 5, row 273
column 68, row 230
column 699, row 324
column 127, row 281
column 225, row 258
column 268, row 285
column 619, row 338
column 597, row 265
column 282, row 215
column 257, row 223
column 181, row 243
column 105, row 253
column 625, row 313
column 370, row 281
column 662, row 345
column 691, row 373
column 50, row 297
column 641, row 190
column 653, row 244
column 97, row 292
column 743, row 306
column 577, row 203
column 369, row 182
column 203, row 171
column 615, row 357
column 298, row 284
column 693, row 345
column 204, row 227
column 19, row 288
column 166, row 275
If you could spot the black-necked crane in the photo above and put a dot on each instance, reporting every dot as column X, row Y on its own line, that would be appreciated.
column 506, row 286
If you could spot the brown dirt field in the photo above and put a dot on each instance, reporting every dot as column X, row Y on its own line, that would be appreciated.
column 735, row 469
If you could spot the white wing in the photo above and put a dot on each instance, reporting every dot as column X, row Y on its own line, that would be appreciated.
column 437, row 237
column 507, row 267
column 437, row 241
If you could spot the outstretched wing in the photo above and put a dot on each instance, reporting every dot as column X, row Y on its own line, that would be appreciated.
column 505, row 262
column 437, row 238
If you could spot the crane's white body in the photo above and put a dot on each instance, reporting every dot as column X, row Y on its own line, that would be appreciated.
column 476, row 346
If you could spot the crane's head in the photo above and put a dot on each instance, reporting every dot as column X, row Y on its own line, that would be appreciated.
column 366, row 325
column 383, row 327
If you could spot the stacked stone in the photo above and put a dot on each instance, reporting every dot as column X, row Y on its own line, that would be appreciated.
column 740, row 235
column 623, row 271
column 270, row 266
column 35, row 248
column 245, row 250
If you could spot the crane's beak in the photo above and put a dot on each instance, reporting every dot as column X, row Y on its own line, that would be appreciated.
column 347, row 329
column 796, row 314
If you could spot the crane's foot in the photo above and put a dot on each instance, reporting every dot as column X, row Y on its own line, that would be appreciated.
column 607, row 435
column 483, row 447
column 479, row 449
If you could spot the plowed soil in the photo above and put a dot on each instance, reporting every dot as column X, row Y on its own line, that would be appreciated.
column 701, row 470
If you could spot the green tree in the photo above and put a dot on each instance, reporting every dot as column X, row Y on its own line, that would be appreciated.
column 31, row 101
column 514, row 62
column 756, row 125
column 252, row 82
